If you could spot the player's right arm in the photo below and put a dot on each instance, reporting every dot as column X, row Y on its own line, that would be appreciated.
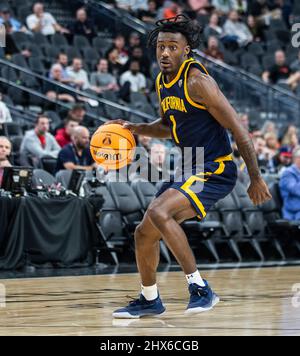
column 156, row 129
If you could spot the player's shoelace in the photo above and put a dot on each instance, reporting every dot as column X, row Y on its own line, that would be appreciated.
column 137, row 301
column 197, row 291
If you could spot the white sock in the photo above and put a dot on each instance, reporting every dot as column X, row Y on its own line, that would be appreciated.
column 150, row 293
column 195, row 278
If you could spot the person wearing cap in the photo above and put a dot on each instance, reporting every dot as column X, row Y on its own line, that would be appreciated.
column 280, row 162
column 5, row 17
column 290, row 189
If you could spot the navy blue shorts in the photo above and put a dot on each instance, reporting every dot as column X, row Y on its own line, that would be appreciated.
column 204, row 189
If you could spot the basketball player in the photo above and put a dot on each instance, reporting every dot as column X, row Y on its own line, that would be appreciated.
column 194, row 113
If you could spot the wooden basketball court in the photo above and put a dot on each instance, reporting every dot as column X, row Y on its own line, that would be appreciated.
column 253, row 302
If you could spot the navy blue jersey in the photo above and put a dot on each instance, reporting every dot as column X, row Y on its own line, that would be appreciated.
column 190, row 123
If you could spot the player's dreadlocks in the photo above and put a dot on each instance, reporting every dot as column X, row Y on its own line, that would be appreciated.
column 182, row 24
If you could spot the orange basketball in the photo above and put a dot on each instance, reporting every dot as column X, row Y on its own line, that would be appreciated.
column 112, row 146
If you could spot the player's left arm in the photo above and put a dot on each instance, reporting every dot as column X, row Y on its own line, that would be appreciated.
column 203, row 89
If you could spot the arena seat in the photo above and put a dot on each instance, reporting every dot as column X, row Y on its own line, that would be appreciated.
column 42, row 179
column 132, row 212
column 145, row 192
column 253, row 216
column 81, row 42
column 63, row 177
column 12, row 129
column 126, row 202
column 48, row 164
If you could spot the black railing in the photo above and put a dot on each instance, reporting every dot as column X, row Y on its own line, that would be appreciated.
column 76, row 92
column 248, row 92
column 35, row 93
column 118, row 19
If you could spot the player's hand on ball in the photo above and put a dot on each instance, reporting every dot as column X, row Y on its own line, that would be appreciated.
column 126, row 124
column 259, row 192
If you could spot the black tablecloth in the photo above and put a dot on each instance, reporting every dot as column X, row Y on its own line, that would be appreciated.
column 60, row 230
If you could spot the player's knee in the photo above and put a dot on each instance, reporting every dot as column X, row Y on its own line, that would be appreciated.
column 158, row 215
column 140, row 234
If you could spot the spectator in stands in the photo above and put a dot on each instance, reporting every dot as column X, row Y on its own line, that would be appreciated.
column 244, row 119
column 138, row 55
column 236, row 30
column 157, row 168
column 279, row 72
column 150, row 14
column 5, row 115
column 43, row 22
column 290, row 189
column 225, row 6
column 294, row 141
column 38, row 143
column 119, row 45
column 279, row 163
column 272, row 144
column 63, row 135
column 5, row 151
column 115, row 67
column 134, row 41
column 213, row 49
column 172, row 10
column 290, row 136
column 54, row 92
column 200, row 7
column 102, row 79
column 77, row 113
column 83, row 26
column 151, row 164
column 265, row 10
column 132, row 5
column 138, row 5
column 132, row 80
column 76, row 155
column 62, row 59
column 11, row 47
column 269, row 127
column 123, row 4
column 78, row 75
column 262, row 152
column 5, row 17
column 256, row 29
column 213, row 28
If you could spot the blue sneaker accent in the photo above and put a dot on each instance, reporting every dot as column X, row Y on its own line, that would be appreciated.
column 202, row 299
column 139, row 308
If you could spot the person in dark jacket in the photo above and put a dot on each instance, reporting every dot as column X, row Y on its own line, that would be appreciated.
column 83, row 26
column 290, row 189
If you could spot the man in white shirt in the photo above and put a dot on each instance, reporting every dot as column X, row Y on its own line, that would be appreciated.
column 4, row 112
column 235, row 28
column 78, row 75
column 133, row 76
column 43, row 22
